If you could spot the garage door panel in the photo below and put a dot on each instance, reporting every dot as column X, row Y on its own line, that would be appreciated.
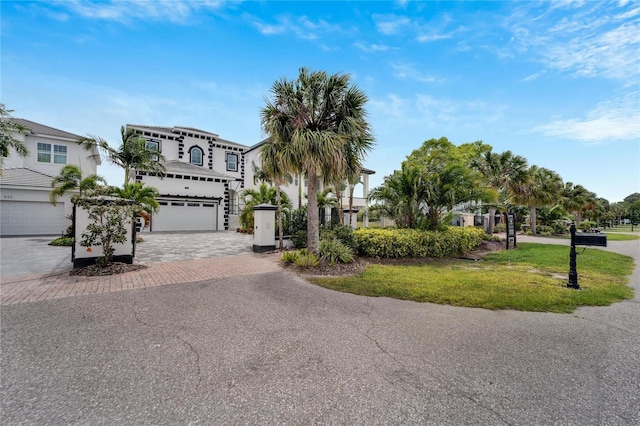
column 32, row 218
column 193, row 217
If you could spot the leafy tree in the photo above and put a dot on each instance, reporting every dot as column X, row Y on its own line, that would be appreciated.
column 501, row 172
column 132, row 154
column 70, row 179
column 318, row 126
column 632, row 198
column 264, row 194
column 540, row 187
column 7, row 141
column 107, row 226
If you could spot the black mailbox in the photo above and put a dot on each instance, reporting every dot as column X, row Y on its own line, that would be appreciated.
column 597, row 240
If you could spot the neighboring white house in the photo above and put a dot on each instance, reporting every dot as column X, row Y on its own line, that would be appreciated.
column 296, row 189
column 204, row 175
column 26, row 182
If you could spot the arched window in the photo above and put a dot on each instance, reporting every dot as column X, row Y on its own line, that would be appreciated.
column 195, row 155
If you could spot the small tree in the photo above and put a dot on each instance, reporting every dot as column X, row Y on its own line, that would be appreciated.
column 108, row 218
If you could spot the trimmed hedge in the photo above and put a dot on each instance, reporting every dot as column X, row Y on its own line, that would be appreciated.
column 398, row 243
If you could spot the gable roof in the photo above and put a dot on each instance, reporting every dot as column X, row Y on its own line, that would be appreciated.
column 41, row 129
column 22, row 176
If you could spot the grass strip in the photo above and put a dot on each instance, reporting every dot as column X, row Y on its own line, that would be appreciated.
column 531, row 278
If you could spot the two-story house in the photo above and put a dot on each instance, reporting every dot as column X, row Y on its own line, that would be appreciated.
column 26, row 181
column 204, row 176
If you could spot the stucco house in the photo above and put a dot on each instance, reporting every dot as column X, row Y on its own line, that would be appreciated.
column 204, row 176
column 26, row 181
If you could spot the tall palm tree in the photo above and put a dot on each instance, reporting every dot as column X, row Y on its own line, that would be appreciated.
column 132, row 154
column 312, row 123
column 541, row 187
column 70, row 179
column 501, row 173
column 576, row 198
column 7, row 141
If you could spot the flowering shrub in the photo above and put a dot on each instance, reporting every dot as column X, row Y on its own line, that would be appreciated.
column 398, row 243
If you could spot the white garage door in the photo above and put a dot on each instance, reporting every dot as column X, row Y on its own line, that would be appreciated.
column 32, row 218
column 186, row 216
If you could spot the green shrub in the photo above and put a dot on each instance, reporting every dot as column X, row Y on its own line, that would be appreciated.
column 290, row 256
column 500, row 228
column 307, row 260
column 399, row 243
column 343, row 233
column 543, row 229
column 559, row 227
column 587, row 225
column 62, row 241
column 333, row 250
column 487, row 237
column 299, row 239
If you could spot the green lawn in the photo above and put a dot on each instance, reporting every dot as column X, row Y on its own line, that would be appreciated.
column 623, row 228
column 612, row 236
column 531, row 278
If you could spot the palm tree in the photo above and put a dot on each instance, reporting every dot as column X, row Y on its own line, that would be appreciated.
column 576, row 198
column 501, row 173
column 312, row 123
column 132, row 154
column 541, row 187
column 144, row 196
column 264, row 194
column 70, row 179
column 401, row 196
column 7, row 141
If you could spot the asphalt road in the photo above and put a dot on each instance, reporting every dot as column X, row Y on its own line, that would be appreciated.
column 271, row 348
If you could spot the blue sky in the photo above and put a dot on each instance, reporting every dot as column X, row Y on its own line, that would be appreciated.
column 556, row 82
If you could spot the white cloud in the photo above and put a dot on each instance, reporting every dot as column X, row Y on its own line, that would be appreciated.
column 408, row 72
column 586, row 40
column 372, row 47
column 617, row 119
column 127, row 11
column 534, row 76
column 301, row 26
column 391, row 24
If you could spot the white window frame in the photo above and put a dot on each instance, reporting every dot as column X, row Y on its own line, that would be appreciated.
column 201, row 151
column 152, row 145
column 235, row 162
column 54, row 154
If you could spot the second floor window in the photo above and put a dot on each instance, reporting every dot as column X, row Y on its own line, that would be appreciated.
column 195, row 156
column 232, row 162
column 153, row 146
column 49, row 153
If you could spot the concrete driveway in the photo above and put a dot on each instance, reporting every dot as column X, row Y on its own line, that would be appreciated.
column 30, row 255
column 271, row 348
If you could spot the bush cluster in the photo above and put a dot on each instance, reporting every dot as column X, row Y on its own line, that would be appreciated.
column 302, row 258
column 334, row 251
column 398, row 243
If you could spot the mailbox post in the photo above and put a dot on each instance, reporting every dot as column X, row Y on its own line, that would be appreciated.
column 583, row 239
column 511, row 229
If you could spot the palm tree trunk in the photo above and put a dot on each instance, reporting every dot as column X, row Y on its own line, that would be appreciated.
column 299, row 190
column 532, row 217
column 492, row 220
column 313, row 230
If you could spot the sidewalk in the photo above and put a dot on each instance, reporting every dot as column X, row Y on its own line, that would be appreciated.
column 36, row 287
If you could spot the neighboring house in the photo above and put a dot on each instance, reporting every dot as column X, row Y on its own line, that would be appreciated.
column 204, row 176
column 296, row 189
column 26, row 182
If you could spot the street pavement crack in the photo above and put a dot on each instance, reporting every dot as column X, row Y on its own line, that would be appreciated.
column 195, row 353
